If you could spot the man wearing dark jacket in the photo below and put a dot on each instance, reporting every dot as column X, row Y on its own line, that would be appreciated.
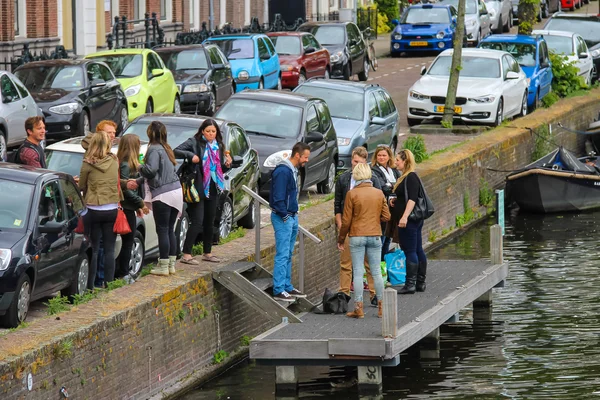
column 31, row 152
column 345, row 183
column 283, row 200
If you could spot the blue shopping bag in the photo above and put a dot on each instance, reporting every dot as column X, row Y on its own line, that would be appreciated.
column 396, row 267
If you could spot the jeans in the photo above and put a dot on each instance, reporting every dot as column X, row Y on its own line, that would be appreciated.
column 165, row 217
column 285, row 238
column 127, row 244
column 372, row 246
column 411, row 242
column 202, row 219
column 101, row 227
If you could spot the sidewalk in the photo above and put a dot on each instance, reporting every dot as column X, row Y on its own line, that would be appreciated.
column 382, row 45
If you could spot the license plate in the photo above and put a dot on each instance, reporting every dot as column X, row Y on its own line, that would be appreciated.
column 418, row 43
column 440, row 109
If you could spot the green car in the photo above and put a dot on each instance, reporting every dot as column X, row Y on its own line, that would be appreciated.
column 149, row 86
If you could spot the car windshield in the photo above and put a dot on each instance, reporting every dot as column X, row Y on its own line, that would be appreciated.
column 64, row 161
column 263, row 117
column 14, row 204
column 328, row 35
column 348, row 105
column 286, row 45
column 182, row 60
column 124, row 65
column 236, row 49
column 176, row 134
column 523, row 53
column 472, row 67
column 560, row 44
column 426, row 16
column 588, row 29
column 470, row 6
column 52, row 77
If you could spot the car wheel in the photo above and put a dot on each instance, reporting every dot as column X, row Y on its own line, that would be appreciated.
column 124, row 117
column 499, row 113
column 85, row 123
column 212, row 106
column 328, row 184
column 248, row 221
column 364, row 75
column 327, row 75
column 500, row 27
column 137, row 255
column 510, row 20
column 413, row 121
column 18, row 308
column 226, row 221
column 347, row 72
column 231, row 90
column 80, row 281
column 176, row 106
column 3, row 147
column 182, row 230
column 149, row 107
column 301, row 77
column 524, row 104
column 537, row 103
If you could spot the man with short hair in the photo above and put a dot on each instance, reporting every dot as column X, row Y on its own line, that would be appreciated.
column 31, row 152
column 107, row 126
column 283, row 200
column 345, row 183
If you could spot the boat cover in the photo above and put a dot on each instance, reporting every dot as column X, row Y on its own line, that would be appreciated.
column 561, row 159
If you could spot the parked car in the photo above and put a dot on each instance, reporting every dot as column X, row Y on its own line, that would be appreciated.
column 275, row 121
column 571, row 4
column 40, row 253
column 363, row 115
column 235, row 205
column 74, row 95
column 17, row 105
column 202, row 74
column 532, row 55
column 574, row 47
column 66, row 157
column 424, row 27
column 491, row 87
column 301, row 56
column 254, row 61
column 501, row 15
column 547, row 7
column 346, row 45
column 477, row 19
column 586, row 25
column 148, row 84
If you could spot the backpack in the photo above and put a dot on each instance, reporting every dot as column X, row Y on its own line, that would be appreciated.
column 333, row 303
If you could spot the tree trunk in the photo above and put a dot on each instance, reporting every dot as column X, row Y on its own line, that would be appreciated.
column 528, row 13
column 455, row 68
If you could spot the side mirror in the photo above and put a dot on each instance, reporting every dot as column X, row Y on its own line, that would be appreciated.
column 512, row 75
column 237, row 162
column 423, row 70
column 157, row 72
column 583, row 55
column 395, row 22
column 7, row 99
column 309, row 50
column 265, row 57
column 218, row 66
column 377, row 121
column 51, row 227
column 313, row 137
column 97, row 83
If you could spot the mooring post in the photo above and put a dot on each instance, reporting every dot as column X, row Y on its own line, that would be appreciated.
column 370, row 379
column 429, row 346
column 286, row 379
column 496, row 244
column 482, row 306
column 389, row 321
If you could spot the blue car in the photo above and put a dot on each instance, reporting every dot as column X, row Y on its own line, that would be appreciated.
column 254, row 61
column 424, row 27
column 532, row 55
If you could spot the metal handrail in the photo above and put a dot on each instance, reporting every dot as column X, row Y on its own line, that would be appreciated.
column 301, row 230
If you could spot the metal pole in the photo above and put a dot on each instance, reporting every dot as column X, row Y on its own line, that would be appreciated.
column 257, row 258
column 301, row 263
column 211, row 14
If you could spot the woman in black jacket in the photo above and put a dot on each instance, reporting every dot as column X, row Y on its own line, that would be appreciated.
column 207, row 158
column 384, row 168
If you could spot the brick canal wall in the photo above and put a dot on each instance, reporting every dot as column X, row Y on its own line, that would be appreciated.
column 160, row 335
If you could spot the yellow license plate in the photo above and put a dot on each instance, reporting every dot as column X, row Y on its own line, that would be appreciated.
column 418, row 43
column 440, row 109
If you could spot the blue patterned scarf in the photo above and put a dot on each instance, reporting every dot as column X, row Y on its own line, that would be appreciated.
column 211, row 167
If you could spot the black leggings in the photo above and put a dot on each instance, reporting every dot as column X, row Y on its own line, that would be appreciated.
column 202, row 219
column 165, row 217
column 127, row 244
column 101, row 225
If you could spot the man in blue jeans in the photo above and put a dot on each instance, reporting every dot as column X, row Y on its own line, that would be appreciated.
column 283, row 200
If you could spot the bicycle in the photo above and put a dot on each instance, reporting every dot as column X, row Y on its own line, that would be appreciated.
column 371, row 55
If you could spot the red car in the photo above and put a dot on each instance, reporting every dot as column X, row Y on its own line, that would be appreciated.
column 571, row 4
column 301, row 57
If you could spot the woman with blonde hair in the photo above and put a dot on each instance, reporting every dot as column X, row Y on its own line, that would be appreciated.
column 407, row 190
column 99, row 182
column 364, row 209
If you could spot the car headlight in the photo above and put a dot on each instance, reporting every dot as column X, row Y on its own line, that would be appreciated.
column 595, row 53
column 397, row 36
column 243, row 75
column 336, row 57
column 65, row 109
column 440, row 35
column 132, row 90
column 483, row 99
column 343, row 141
column 5, row 256
column 417, row 96
column 274, row 159
column 200, row 87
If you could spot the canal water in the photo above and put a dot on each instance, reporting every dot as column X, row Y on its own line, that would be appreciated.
column 543, row 341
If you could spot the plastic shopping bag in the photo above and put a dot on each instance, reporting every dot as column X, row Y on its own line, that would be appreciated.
column 383, row 273
column 396, row 267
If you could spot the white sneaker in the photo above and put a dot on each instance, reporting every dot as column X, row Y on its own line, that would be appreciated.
column 284, row 296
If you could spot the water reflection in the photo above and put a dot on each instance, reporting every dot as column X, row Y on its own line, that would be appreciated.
column 541, row 344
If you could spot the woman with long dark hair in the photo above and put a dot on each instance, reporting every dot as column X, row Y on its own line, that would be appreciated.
column 205, row 155
column 164, row 192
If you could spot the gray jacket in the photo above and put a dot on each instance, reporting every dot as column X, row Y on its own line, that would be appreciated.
column 159, row 171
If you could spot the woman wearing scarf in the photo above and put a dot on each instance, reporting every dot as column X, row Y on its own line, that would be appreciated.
column 365, row 208
column 205, row 152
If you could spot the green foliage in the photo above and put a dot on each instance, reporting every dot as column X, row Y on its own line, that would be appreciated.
column 57, row 305
column 550, row 99
column 146, row 270
column 486, row 194
column 432, row 236
column 468, row 215
column 383, row 22
column 22, row 325
column 527, row 13
column 446, row 231
column 445, row 149
column 63, row 349
column 245, row 340
column 566, row 79
column 220, row 356
column 197, row 249
column 543, row 143
column 84, row 298
column 234, row 234
column 447, row 124
column 181, row 315
column 416, row 144
column 389, row 8
column 117, row 283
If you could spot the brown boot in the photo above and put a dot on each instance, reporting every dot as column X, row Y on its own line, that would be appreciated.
column 380, row 308
column 358, row 311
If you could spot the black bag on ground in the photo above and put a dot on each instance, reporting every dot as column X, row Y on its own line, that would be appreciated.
column 423, row 207
column 333, row 303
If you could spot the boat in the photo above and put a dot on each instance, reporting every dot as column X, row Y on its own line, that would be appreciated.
column 557, row 182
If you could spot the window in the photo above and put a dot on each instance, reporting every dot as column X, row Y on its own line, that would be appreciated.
column 8, row 90
column 73, row 202
column 22, row 91
column 136, row 9
column 313, row 42
column 383, row 104
column 15, row 211
column 390, row 101
column 50, row 208
column 289, row 44
column 214, row 56
column 222, row 58
column 324, row 116
column 237, row 144
column 312, row 120
column 163, row 9
column 93, row 72
column 152, row 63
column 235, row 49
column 581, row 46
column 17, row 33
column 106, row 73
column 270, row 45
column 373, row 110
column 505, row 66
column 305, row 42
column 263, row 51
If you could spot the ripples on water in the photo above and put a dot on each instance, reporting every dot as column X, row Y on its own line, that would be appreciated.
column 543, row 342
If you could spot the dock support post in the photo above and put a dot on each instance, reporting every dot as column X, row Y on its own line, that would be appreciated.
column 390, row 313
column 429, row 346
column 370, row 380
column 286, row 379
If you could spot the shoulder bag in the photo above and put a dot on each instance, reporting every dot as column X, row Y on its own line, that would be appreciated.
column 121, row 226
column 423, row 207
column 187, row 177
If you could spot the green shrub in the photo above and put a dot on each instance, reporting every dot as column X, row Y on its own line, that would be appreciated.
column 416, row 144
column 550, row 99
column 57, row 305
column 389, row 8
column 566, row 79
column 220, row 356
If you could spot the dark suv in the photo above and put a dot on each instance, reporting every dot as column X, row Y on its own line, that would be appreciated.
column 40, row 253
column 275, row 121
column 347, row 48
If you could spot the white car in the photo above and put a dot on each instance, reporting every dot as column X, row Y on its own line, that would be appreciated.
column 66, row 156
column 477, row 19
column 574, row 47
column 491, row 87
column 501, row 15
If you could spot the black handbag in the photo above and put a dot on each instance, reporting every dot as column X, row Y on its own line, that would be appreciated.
column 333, row 303
column 423, row 207
column 187, row 177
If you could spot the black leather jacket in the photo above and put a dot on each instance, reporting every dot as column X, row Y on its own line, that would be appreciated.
column 385, row 187
column 342, row 185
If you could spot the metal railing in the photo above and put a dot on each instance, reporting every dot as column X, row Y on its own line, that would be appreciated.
column 302, row 232
column 153, row 33
column 27, row 56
